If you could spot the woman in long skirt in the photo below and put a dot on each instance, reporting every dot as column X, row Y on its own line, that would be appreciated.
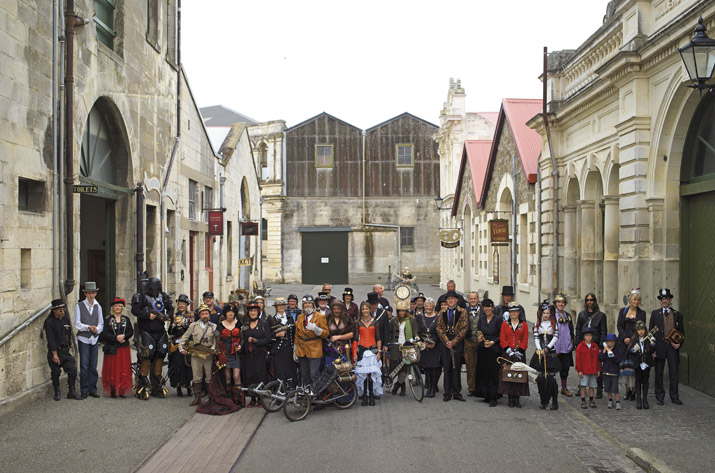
column 489, row 326
column 430, row 357
column 180, row 374
column 367, row 350
column 117, row 364
column 514, row 340
column 256, row 336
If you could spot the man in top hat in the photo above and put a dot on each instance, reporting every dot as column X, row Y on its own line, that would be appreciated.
column 667, row 320
column 451, row 287
column 323, row 300
column 58, row 331
column 452, row 326
column 470, row 344
column 507, row 296
column 215, row 311
column 382, row 318
column 89, row 322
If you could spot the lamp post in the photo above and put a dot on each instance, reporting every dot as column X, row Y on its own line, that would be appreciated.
column 699, row 58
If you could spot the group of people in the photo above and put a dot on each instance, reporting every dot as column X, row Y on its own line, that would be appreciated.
column 218, row 350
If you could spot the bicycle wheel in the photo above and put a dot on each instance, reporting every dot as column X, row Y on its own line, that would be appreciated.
column 270, row 403
column 416, row 385
column 348, row 399
column 297, row 405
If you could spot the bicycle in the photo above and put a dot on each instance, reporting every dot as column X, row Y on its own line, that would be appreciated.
column 410, row 356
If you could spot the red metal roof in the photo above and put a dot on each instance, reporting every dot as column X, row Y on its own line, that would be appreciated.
column 528, row 141
column 491, row 116
column 476, row 153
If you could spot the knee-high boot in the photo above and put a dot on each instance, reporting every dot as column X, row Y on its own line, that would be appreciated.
column 364, row 393
column 197, row 395
column 370, row 392
column 428, row 382
column 645, row 396
column 639, row 396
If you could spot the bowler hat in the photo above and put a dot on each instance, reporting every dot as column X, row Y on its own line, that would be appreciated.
column 487, row 303
column 451, row 294
column 664, row 293
column 372, row 298
column 57, row 304
column 507, row 291
column 90, row 286
column 611, row 337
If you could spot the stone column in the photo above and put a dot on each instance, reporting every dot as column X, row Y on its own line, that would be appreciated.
column 570, row 253
column 610, row 251
column 588, row 250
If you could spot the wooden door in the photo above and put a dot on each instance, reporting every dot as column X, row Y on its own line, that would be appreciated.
column 97, row 271
column 325, row 257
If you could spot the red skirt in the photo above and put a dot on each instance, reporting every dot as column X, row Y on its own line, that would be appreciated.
column 117, row 372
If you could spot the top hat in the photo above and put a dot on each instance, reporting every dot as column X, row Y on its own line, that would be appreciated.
column 420, row 296
column 58, row 304
column 118, row 300
column 280, row 301
column 293, row 296
column 372, row 298
column 487, row 303
column 348, row 292
column 183, row 298
column 323, row 296
column 507, row 290
column 451, row 294
column 207, row 294
column 204, row 307
column 611, row 337
column 664, row 293
column 90, row 286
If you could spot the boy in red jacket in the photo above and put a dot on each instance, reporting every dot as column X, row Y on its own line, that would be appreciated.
column 587, row 366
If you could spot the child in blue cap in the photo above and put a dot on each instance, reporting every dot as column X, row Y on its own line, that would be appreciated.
column 610, row 358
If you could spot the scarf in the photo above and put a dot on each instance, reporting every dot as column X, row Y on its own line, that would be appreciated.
column 408, row 328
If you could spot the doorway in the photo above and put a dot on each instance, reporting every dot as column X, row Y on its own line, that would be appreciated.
column 97, row 246
column 325, row 257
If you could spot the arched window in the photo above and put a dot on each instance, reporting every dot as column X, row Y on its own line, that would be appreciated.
column 701, row 140
column 98, row 150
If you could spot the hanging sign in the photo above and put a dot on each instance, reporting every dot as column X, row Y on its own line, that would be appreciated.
column 449, row 237
column 499, row 231
column 249, row 228
column 215, row 222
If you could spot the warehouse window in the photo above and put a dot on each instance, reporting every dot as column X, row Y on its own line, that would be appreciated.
column 407, row 238
column 323, row 156
column 405, row 155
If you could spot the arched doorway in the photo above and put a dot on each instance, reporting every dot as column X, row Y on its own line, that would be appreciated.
column 697, row 263
column 104, row 164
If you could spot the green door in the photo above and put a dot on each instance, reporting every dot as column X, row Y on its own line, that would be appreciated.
column 325, row 257
column 697, row 263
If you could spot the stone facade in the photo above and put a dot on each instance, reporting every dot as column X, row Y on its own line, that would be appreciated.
column 620, row 111
column 125, row 95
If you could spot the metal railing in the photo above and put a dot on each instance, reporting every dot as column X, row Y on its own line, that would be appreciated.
column 24, row 324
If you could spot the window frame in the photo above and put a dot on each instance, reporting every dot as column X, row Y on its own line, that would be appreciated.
column 409, row 236
column 397, row 155
column 332, row 155
column 192, row 200
column 208, row 202
column 100, row 24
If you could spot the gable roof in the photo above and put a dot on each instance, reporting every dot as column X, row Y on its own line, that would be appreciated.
column 528, row 141
column 490, row 116
column 406, row 114
column 305, row 122
column 218, row 115
column 476, row 154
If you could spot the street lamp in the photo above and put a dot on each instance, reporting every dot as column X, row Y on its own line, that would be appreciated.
column 438, row 201
column 699, row 57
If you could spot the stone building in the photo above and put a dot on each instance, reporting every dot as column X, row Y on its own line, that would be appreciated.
column 358, row 203
column 495, row 178
column 126, row 84
column 456, row 126
column 633, row 147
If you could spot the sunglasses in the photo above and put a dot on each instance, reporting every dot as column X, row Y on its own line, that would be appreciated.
column 590, row 300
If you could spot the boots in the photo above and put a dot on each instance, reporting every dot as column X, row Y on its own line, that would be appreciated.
column 395, row 388
column 143, row 387
column 645, row 396
column 370, row 395
column 72, row 394
column 364, row 394
column 516, row 402
column 402, row 389
column 555, row 404
column 639, row 398
column 178, row 392
column 188, row 390
column 511, row 400
column 197, row 395
column 58, row 395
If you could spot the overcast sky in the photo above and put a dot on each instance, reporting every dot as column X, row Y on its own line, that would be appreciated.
column 368, row 61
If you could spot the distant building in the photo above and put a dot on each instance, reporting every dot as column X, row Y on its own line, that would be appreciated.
column 218, row 120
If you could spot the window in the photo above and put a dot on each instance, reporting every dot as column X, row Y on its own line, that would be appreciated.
column 171, row 33
column 263, row 153
column 30, row 195
column 25, row 268
column 105, row 21
column 192, row 199
column 407, row 238
column 152, row 23
column 264, row 229
column 207, row 253
column 208, row 202
column 229, row 248
column 323, row 156
column 405, row 155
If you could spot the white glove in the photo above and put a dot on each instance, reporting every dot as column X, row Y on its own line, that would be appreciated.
column 509, row 351
column 314, row 328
